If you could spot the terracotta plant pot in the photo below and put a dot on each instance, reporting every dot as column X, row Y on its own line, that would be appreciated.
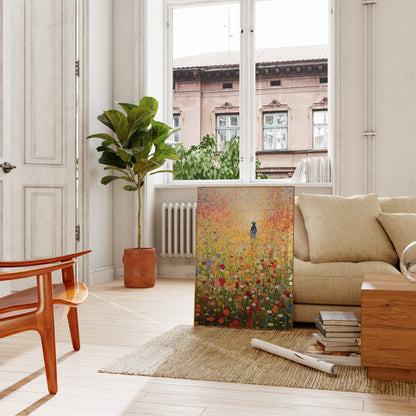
column 139, row 267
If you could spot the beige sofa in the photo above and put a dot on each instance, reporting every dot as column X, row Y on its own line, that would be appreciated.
column 338, row 240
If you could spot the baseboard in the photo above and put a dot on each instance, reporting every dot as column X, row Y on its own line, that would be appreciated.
column 103, row 274
column 174, row 268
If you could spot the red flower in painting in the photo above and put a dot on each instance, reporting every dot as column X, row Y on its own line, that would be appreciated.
column 204, row 299
column 222, row 267
column 226, row 312
column 222, row 281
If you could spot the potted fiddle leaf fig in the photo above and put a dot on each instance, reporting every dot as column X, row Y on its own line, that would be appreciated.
column 138, row 147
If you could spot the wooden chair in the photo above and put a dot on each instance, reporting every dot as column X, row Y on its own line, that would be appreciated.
column 44, row 306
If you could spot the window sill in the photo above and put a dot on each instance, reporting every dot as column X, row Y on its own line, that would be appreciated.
column 260, row 182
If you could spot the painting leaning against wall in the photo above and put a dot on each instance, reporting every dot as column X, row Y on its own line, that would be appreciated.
column 244, row 257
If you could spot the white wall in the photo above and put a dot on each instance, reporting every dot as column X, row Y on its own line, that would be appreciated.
column 100, row 97
column 125, row 90
column 394, row 78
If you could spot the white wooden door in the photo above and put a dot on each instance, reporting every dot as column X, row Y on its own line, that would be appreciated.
column 38, row 134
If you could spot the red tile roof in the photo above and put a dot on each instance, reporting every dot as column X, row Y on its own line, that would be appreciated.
column 263, row 56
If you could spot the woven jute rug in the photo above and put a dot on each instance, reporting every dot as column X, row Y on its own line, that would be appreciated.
column 226, row 355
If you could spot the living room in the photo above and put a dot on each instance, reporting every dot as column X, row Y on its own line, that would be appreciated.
column 372, row 126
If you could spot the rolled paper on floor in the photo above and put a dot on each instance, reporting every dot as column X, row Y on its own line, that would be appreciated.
column 295, row 356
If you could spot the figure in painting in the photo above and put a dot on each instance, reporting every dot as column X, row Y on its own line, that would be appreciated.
column 253, row 231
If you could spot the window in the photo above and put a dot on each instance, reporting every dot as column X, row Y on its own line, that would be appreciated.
column 275, row 130
column 227, row 128
column 280, row 71
column 176, row 124
column 320, row 129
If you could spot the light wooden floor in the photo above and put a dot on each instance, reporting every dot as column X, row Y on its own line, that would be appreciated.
column 113, row 322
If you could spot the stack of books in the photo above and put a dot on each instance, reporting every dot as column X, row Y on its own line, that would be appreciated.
column 339, row 338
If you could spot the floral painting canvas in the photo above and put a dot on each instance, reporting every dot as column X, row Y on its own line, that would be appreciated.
column 244, row 257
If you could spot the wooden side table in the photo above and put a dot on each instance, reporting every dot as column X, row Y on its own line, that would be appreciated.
column 388, row 327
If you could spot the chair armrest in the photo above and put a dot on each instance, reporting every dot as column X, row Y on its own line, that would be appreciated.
column 39, row 262
column 21, row 274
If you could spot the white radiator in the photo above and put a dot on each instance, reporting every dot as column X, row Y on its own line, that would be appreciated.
column 178, row 229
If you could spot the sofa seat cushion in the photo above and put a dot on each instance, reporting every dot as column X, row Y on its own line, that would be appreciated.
column 335, row 283
column 345, row 229
column 401, row 228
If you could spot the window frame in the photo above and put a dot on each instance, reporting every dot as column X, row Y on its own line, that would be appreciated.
column 326, row 125
column 228, row 128
column 248, row 112
column 176, row 122
column 275, row 127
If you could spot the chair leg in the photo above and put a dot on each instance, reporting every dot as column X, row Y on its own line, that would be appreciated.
column 46, row 328
column 49, row 357
column 73, row 328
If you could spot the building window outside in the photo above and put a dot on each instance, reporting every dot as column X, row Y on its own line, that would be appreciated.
column 275, row 130
column 320, row 129
column 176, row 123
column 227, row 128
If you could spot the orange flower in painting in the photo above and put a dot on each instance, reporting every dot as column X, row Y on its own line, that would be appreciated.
column 226, row 312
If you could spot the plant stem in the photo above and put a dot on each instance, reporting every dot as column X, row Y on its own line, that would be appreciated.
column 139, row 226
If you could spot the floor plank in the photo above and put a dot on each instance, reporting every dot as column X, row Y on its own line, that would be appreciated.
column 115, row 321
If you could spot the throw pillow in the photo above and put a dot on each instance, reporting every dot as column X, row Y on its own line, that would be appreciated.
column 405, row 204
column 300, row 241
column 401, row 228
column 345, row 229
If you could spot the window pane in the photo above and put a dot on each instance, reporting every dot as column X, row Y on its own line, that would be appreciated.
column 268, row 119
column 291, row 48
column 281, row 139
column 319, row 117
column 233, row 121
column 268, row 140
column 206, row 37
column 320, row 134
column 281, row 119
column 222, row 121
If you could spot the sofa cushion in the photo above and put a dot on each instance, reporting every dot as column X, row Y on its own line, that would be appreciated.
column 401, row 228
column 398, row 204
column 300, row 241
column 345, row 229
column 336, row 283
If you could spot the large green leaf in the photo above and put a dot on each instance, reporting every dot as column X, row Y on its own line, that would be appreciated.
column 112, row 159
column 160, row 131
column 136, row 139
column 104, row 149
column 164, row 151
column 104, row 119
column 107, row 179
column 104, row 136
column 150, row 102
column 123, row 171
column 119, row 122
column 127, row 107
column 130, row 188
column 139, row 118
column 125, row 154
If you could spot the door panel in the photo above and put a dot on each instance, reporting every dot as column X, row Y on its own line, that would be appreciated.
column 40, row 128
column 44, row 223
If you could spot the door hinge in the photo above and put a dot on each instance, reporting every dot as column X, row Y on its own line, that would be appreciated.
column 77, row 68
column 78, row 232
